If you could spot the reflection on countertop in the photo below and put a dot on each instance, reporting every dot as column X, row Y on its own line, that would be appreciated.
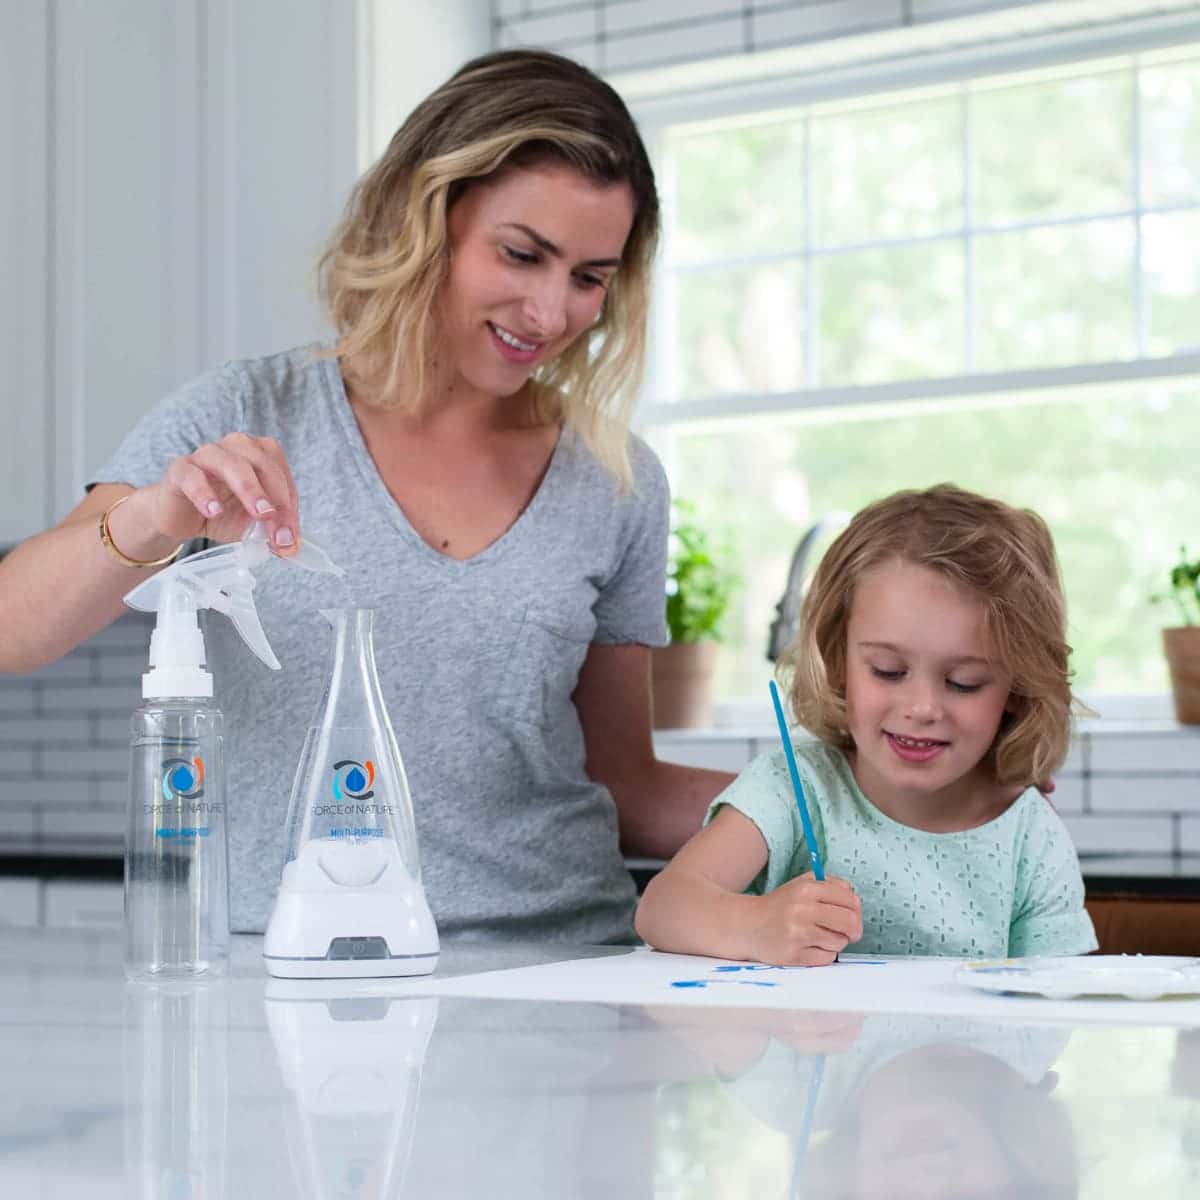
column 240, row 1088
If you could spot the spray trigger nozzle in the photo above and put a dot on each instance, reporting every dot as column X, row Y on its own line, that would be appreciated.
column 256, row 549
column 221, row 579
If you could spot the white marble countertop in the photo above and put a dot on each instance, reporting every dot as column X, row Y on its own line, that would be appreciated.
column 244, row 1089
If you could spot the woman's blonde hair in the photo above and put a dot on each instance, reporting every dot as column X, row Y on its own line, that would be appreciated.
column 1003, row 556
column 381, row 274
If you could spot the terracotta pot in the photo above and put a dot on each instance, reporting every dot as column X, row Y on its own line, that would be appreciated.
column 1182, row 648
column 681, row 679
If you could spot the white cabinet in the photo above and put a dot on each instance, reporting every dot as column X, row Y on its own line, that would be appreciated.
column 25, row 486
column 168, row 175
column 123, row 220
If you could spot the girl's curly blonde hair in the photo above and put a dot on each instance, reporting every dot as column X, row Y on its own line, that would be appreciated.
column 1005, row 557
column 381, row 274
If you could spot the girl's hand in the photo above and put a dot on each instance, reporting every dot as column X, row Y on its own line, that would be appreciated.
column 805, row 923
column 217, row 490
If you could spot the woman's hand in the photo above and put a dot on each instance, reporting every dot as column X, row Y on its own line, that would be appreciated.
column 217, row 490
column 805, row 923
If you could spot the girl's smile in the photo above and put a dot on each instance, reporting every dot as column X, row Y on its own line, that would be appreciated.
column 924, row 699
column 915, row 750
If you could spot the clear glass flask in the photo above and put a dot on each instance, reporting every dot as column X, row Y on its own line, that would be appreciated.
column 350, row 898
column 350, row 807
column 176, row 852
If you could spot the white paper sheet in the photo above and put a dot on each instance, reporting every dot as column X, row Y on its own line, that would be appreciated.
column 857, row 984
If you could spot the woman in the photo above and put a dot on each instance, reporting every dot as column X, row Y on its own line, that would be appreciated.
column 463, row 451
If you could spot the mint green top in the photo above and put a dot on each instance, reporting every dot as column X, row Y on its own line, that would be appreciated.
column 1008, row 888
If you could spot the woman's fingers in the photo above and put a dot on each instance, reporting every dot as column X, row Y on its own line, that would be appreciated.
column 237, row 478
column 276, row 475
column 238, row 466
column 184, row 478
column 274, row 451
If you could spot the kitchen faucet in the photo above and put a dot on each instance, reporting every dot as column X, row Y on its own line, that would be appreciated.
column 787, row 612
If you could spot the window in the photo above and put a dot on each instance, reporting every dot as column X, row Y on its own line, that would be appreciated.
column 992, row 281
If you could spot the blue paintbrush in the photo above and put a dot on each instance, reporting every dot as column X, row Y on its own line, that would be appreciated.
column 813, row 853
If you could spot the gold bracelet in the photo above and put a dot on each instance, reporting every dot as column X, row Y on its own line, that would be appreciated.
column 114, row 550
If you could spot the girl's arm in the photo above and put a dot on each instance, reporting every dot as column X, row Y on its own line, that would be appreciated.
column 695, row 904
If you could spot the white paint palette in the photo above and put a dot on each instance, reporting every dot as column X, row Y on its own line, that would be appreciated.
column 1132, row 976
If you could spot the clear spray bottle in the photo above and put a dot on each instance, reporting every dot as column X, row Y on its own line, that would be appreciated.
column 176, row 848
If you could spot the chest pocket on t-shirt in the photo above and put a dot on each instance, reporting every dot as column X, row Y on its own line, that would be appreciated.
column 542, row 667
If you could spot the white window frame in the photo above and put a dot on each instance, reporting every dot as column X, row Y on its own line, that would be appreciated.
column 658, row 412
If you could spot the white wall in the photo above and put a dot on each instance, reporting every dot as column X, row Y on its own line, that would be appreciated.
column 417, row 44
column 24, row 416
column 171, row 171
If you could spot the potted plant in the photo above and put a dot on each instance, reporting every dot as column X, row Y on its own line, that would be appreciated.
column 700, row 584
column 1182, row 643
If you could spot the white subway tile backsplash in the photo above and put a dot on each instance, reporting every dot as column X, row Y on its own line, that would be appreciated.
column 92, row 762
column 18, row 823
column 1074, row 762
column 47, row 794
column 641, row 16
column 1068, row 794
column 926, row 10
column 75, row 668
column 575, row 25
column 86, row 698
column 616, row 35
column 107, row 825
column 17, row 696
column 131, row 632
column 652, row 48
column 46, row 731
column 16, row 760
column 810, row 22
column 1145, row 793
column 1189, row 834
column 111, row 793
column 112, row 731
column 720, row 754
column 121, row 666
column 586, row 53
column 1094, row 834
column 1179, row 751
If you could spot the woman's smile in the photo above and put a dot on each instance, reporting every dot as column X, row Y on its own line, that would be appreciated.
column 512, row 347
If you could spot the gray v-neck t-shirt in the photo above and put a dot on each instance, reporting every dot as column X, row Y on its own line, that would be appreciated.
column 478, row 658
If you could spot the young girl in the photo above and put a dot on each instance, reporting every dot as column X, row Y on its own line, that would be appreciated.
column 932, row 668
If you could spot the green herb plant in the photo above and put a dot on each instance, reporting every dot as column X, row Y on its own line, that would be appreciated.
column 700, row 581
column 1185, row 588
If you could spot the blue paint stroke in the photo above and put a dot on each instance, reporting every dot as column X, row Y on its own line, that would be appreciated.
column 728, row 968
column 701, row 983
column 747, row 967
